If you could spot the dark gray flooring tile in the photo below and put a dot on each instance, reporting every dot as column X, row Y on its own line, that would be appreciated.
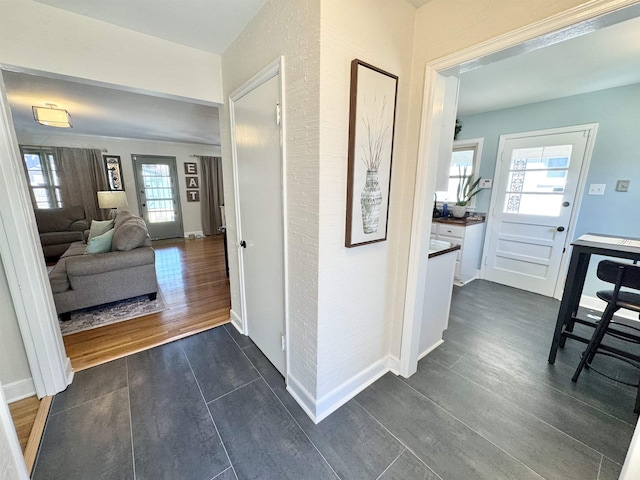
column 226, row 475
column 600, row 431
column 609, row 470
column 218, row 363
column 408, row 467
column 91, row 441
column 173, row 434
column 90, row 384
column 449, row 447
column 445, row 355
column 544, row 449
column 243, row 341
column 354, row 444
column 262, row 439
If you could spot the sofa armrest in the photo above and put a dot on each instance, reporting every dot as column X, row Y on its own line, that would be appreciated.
column 79, row 225
column 108, row 262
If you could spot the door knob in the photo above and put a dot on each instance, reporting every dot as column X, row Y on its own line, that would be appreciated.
column 565, row 204
column 560, row 229
column 243, row 244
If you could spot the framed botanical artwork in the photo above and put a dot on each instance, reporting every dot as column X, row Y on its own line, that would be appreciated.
column 372, row 119
column 114, row 172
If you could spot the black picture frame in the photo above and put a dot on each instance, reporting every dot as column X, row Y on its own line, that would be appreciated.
column 113, row 168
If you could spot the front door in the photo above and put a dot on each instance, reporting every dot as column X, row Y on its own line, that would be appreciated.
column 260, row 229
column 536, row 182
column 158, row 195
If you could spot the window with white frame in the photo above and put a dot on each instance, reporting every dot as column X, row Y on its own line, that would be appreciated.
column 42, row 176
column 465, row 162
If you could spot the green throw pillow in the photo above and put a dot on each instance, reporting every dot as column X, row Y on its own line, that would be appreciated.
column 100, row 244
column 99, row 227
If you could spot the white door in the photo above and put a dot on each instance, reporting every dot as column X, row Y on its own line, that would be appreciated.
column 535, row 186
column 260, row 228
column 158, row 197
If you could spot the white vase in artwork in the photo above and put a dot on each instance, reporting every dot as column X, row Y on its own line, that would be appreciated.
column 458, row 211
column 370, row 201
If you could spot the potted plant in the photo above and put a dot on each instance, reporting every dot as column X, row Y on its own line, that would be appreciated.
column 467, row 189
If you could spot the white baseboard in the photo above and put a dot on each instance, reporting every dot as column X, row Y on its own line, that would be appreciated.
column 430, row 349
column 594, row 303
column 236, row 321
column 329, row 403
column 18, row 390
column 393, row 364
column 197, row 234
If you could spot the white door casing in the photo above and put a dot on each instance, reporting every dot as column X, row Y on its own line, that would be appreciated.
column 259, row 178
column 538, row 180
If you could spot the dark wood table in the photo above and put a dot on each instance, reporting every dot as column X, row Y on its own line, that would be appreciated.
column 583, row 248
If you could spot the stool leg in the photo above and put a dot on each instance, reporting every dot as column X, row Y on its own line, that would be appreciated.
column 596, row 338
column 607, row 315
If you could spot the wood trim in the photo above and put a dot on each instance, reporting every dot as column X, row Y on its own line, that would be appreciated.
column 31, row 451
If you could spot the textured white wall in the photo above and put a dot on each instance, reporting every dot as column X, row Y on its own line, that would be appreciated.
column 9, row 446
column 290, row 28
column 41, row 37
column 124, row 148
column 14, row 366
column 358, row 287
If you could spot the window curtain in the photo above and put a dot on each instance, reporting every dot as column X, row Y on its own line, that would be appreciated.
column 212, row 194
column 82, row 175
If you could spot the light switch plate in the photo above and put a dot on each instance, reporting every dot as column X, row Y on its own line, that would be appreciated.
column 622, row 185
column 597, row 188
column 486, row 183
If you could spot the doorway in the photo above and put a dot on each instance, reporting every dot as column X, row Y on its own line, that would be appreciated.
column 260, row 211
column 538, row 180
column 158, row 197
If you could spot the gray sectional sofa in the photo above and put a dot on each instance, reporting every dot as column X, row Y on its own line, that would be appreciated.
column 59, row 228
column 82, row 280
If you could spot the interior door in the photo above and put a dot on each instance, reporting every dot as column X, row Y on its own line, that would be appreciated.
column 158, row 195
column 260, row 229
column 536, row 183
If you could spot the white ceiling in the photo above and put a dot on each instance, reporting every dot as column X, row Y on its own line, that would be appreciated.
column 209, row 25
column 606, row 58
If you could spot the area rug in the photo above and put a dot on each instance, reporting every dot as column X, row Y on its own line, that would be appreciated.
column 89, row 318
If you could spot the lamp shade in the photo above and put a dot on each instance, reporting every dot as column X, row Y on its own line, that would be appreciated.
column 53, row 117
column 112, row 199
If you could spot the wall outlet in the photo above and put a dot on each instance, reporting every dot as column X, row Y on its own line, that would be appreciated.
column 486, row 183
column 622, row 185
column 597, row 188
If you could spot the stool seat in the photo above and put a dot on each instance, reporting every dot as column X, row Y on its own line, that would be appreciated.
column 628, row 300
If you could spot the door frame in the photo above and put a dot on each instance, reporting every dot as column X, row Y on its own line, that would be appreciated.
column 592, row 128
column 571, row 23
column 239, row 319
column 134, row 157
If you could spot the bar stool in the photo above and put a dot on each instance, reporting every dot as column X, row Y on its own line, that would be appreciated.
column 621, row 275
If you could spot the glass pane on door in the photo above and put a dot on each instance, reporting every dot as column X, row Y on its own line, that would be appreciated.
column 159, row 193
column 537, row 180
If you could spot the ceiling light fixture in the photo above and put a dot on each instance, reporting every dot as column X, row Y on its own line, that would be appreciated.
column 52, row 116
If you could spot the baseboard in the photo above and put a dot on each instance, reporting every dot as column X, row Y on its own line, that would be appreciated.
column 302, row 396
column 197, row 234
column 594, row 303
column 69, row 371
column 393, row 364
column 18, row 390
column 430, row 349
column 236, row 321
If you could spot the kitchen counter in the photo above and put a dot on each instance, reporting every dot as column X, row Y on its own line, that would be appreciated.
column 440, row 247
column 470, row 220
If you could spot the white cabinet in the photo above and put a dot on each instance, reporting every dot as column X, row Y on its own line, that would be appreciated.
column 469, row 237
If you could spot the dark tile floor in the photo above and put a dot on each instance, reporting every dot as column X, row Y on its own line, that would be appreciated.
column 485, row 405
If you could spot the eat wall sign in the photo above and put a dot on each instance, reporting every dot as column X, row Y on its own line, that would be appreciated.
column 192, row 181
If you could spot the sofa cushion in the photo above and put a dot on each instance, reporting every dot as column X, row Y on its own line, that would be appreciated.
column 100, row 243
column 75, row 249
column 98, row 227
column 129, row 234
column 58, row 277
column 121, row 217
column 57, row 219
column 58, row 238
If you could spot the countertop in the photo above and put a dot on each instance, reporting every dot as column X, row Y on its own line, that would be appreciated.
column 440, row 247
column 470, row 220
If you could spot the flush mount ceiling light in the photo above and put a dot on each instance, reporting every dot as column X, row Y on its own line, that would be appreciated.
column 51, row 116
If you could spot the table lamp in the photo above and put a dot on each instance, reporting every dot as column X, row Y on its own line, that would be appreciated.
column 113, row 200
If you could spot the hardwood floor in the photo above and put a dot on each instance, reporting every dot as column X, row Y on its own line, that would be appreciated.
column 23, row 413
column 192, row 279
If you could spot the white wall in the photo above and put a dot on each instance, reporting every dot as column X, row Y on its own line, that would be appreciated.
column 48, row 39
column 357, row 286
column 12, row 466
column 124, row 148
column 290, row 28
column 15, row 374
